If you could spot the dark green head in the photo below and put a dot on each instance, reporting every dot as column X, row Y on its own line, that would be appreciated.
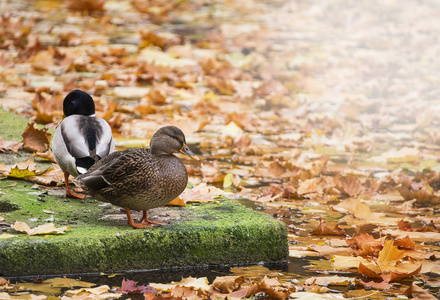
column 168, row 140
column 78, row 102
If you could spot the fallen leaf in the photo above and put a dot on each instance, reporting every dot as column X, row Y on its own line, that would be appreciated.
column 418, row 293
column 48, row 228
column 34, row 139
column 330, row 280
column 275, row 289
column 383, row 285
column 364, row 244
column 86, row 5
column 389, row 256
column 322, row 229
column 177, row 202
column 202, row 193
column 97, row 293
column 228, row 284
column 129, row 287
column 9, row 145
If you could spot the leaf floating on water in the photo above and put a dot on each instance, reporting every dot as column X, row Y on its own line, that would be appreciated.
column 322, row 229
column 228, row 284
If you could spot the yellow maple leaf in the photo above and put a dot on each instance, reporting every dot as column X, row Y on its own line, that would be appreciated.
column 389, row 256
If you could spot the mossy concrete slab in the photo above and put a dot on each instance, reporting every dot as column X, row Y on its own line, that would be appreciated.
column 101, row 241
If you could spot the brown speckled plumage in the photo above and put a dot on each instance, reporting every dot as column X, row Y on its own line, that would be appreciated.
column 140, row 179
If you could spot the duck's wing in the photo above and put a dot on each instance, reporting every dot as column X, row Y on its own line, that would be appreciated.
column 104, row 138
column 87, row 136
column 112, row 169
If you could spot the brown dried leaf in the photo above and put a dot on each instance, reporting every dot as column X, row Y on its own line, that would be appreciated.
column 48, row 228
column 86, row 5
column 322, row 229
column 145, row 109
column 274, row 288
column 9, row 145
column 182, row 292
column 34, row 139
column 363, row 270
column 422, row 195
column 201, row 193
column 349, row 184
column 276, row 169
column 364, row 244
column 156, row 97
column 383, row 285
column 48, row 155
column 406, row 243
column 418, row 293
column 223, row 86
column 313, row 185
column 228, row 284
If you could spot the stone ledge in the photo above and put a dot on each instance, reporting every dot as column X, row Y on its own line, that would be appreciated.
column 101, row 241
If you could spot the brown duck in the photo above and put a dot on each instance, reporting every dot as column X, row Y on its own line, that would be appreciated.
column 140, row 179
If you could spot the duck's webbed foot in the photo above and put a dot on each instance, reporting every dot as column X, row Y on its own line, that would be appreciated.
column 69, row 192
column 145, row 220
column 132, row 223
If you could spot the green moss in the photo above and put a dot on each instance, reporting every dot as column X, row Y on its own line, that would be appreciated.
column 202, row 234
column 12, row 125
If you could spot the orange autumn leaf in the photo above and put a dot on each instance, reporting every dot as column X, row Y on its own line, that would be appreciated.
column 383, row 285
column 228, row 284
column 34, row 139
column 396, row 276
column 406, row 243
column 418, row 293
column 364, row 244
column 364, row 270
column 156, row 97
column 112, row 106
column 349, row 184
column 86, row 5
column 274, row 288
column 48, row 107
column 223, row 86
column 313, row 185
column 322, row 229
column 9, row 145
column 48, row 155
column 177, row 202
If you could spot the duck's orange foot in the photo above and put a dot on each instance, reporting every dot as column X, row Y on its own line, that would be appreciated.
column 142, row 224
column 139, row 225
column 71, row 194
column 145, row 220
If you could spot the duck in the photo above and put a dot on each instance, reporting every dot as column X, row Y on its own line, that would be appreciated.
column 80, row 139
column 141, row 178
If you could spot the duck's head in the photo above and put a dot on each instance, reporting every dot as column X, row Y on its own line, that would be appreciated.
column 78, row 102
column 168, row 140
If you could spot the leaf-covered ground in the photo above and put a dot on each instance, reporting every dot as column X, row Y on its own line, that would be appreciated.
column 322, row 112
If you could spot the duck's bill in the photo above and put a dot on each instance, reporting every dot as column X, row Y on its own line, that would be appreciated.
column 185, row 150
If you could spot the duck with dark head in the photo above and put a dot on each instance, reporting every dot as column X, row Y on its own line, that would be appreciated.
column 81, row 139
